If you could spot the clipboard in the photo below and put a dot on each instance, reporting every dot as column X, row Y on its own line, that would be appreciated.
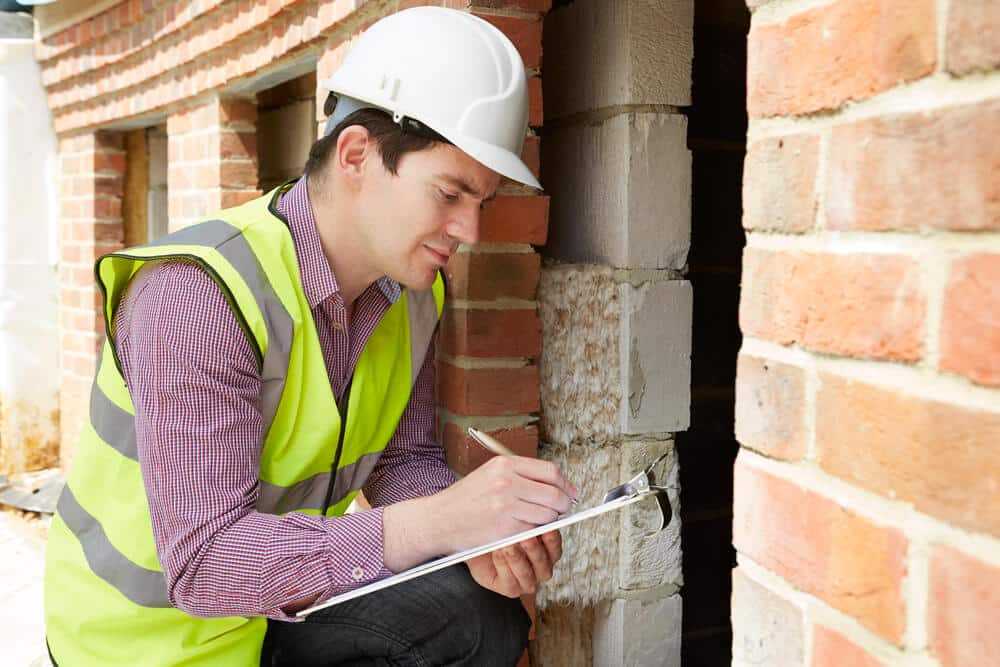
column 641, row 486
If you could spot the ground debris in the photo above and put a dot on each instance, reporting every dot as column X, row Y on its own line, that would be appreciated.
column 33, row 492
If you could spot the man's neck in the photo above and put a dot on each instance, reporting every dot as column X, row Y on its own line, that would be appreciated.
column 341, row 246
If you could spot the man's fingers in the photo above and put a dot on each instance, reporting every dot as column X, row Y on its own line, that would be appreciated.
column 520, row 567
column 553, row 545
column 533, row 514
column 506, row 582
column 545, row 495
column 538, row 556
column 545, row 472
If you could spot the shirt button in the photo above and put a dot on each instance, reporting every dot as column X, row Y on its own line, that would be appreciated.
column 357, row 574
column 338, row 326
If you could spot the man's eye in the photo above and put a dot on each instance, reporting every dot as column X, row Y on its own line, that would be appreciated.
column 449, row 195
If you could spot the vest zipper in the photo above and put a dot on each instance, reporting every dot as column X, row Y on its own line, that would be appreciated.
column 340, row 446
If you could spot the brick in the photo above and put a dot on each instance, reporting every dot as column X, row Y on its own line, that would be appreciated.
column 929, row 170
column 108, row 208
column 767, row 628
column 531, row 154
column 484, row 276
column 529, row 5
column 842, row 51
column 970, row 321
column 241, row 175
column 488, row 391
column 536, row 115
column 964, row 606
column 838, row 556
column 195, row 148
column 526, row 34
column 230, row 198
column 832, row 649
column 861, row 305
column 237, row 145
column 465, row 455
column 113, row 162
column 779, row 184
column 492, row 333
column 771, row 407
column 109, row 141
column 515, row 219
column 973, row 37
column 939, row 456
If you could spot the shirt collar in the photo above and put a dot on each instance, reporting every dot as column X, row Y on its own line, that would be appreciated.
column 318, row 280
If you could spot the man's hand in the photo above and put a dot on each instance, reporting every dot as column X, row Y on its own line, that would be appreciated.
column 519, row 568
column 502, row 497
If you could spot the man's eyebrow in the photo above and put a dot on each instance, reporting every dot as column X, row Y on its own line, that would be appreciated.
column 465, row 187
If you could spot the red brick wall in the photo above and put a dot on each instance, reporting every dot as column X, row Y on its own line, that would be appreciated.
column 868, row 392
column 92, row 168
column 181, row 61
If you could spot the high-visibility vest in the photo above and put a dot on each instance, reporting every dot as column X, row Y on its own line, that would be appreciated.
column 105, row 593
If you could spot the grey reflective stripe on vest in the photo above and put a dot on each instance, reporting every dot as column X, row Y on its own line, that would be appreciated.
column 146, row 588
column 113, row 425
column 310, row 493
column 423, row 315
column 231, row 244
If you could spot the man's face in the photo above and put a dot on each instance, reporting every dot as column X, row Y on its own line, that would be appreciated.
column 414, row 221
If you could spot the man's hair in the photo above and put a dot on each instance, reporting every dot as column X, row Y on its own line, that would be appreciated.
column 392, row 141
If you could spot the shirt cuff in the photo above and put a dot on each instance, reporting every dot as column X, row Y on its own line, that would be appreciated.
column 355, row 561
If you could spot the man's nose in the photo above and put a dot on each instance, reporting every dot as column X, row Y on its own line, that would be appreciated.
column 464, row 226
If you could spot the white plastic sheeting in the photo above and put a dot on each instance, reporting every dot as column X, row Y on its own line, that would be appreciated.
column 29, row 331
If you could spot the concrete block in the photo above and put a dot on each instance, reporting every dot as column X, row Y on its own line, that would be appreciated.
column 655, row 356
column 767, row 629
column 639, row 633
column 616, row 358
column 603, row 54
column 648, row 557
column 621, row 191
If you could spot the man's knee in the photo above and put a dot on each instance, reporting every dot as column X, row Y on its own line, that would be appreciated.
column 492, row 629
column 495, row 628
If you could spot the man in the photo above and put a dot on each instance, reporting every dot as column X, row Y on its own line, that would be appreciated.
column 207, row 497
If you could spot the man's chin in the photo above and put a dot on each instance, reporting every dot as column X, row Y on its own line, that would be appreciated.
column 419, row 281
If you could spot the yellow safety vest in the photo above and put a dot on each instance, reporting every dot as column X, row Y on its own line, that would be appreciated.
column 105, row 593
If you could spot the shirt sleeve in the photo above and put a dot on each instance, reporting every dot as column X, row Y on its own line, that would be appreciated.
column 413, row 463
column 194, row 381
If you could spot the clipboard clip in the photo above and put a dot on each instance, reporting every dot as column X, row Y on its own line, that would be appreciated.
column 645, row 482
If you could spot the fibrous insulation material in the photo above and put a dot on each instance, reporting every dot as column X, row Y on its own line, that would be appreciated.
column 622, row 550
column 587, row 572
column 580, row 379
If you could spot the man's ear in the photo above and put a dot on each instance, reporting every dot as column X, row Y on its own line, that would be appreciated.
column 353, row 150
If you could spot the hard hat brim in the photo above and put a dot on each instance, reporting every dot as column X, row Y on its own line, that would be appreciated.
column 493, row 157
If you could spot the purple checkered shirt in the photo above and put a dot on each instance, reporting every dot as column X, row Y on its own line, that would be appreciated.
column 194, row 381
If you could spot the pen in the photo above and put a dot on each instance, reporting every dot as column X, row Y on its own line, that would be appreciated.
column 497, row 447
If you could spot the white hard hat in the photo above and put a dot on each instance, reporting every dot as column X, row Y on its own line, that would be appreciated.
column 451, row 71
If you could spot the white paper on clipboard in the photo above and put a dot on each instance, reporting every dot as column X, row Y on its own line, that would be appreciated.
column 462, row 556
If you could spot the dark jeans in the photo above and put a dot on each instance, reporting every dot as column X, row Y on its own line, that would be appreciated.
column 443, row 618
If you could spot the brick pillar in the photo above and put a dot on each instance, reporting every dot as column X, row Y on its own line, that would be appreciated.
column 868, row 391
column 92, row 168
column 212, row 156
column 491, row 335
